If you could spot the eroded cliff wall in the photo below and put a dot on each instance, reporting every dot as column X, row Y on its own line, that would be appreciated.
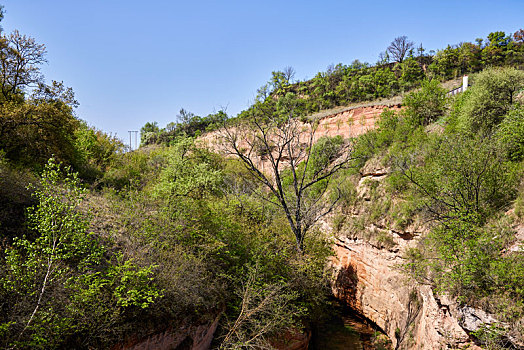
column 367, row 276
column 368, row 279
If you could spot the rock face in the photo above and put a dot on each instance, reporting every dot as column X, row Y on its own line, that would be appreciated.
column 367, row 279
column 191, row 337
column 352, row 121
column 347, row 122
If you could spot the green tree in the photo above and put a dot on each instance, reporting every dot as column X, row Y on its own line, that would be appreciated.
column 426, row 105
column 149, row 133
column 410, row 73
column 464, row 177
column 33, row 130
column 491, row 97
column 95, row 151
column 20, row 60
column 498, row 39
column 189, row 172
column 58, row 283
column 511, row 134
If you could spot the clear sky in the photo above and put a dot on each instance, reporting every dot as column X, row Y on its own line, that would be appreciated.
column 130, row 62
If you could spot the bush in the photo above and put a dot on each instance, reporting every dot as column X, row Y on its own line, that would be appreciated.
column 426, row 105
column 95, row 151
column 511, row 134
column 63, row 284
column 464, row 175
column 491, row 97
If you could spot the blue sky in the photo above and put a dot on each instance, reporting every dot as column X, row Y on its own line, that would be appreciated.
column 130, row 62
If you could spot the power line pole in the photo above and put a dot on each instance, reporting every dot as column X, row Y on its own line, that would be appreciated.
column 131, row 139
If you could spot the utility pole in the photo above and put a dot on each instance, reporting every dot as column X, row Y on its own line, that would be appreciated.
column 131, row 139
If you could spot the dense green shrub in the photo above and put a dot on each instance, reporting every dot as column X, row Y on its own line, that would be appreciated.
column 189, row 172
column 511, row 134
column 426, row 105
column 63, row 283
column 95, row 151
column 491, row 97
column 466, row 177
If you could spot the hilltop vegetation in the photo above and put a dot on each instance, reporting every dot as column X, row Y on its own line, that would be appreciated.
column 396, row 72
column 108, row 246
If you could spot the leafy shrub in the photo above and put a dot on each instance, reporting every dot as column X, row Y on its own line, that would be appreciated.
column 511, row 134
column 189, row 172
column 491, row 97
column 445, row 179
column 95, row 151
column 426, row 105
column 59, row 285
column 133, row 169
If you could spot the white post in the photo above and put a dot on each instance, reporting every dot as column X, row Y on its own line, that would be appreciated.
column 464, row 83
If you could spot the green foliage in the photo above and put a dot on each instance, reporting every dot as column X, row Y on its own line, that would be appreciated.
column 470, row 265
column 374, row 141
column 324, row 152
column 411, row 73
column 519, row 205
column 54, row 282
column 426, row 105
column 394, row 137
column 219, row 244
column 466, row 177
column 148, row 133
column 188, row 125
column 189, row 172
column 491, row 97
column 95, row 151
column 511, row 134
column 132, row 169
column 32, row 131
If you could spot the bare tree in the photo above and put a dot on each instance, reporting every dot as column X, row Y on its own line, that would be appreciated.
column 272, row 147
column 289, row 74
column 399, row 48
column 20, row 60
column 383, row 58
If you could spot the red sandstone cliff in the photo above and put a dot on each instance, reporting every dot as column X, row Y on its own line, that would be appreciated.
column 368, row 278
column 346, row 122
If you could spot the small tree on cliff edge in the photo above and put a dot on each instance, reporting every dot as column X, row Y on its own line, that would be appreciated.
column 278, row 150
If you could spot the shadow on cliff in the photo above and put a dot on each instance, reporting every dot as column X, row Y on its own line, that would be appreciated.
column 345, row 286
column 345, row 289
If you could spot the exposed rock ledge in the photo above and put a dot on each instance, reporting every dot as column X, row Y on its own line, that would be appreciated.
column 193, row 337
column 413, row 318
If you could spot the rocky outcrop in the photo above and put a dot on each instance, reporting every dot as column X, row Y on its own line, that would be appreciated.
column 184, row 337
column 352, row 121
column 346, row 122
column 368, row 279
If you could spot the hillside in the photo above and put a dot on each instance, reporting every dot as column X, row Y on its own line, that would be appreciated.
column 366, row 185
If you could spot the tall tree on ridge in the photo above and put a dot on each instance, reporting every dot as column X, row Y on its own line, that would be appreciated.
column 399, row 48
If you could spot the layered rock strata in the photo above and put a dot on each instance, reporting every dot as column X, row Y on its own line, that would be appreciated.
column 367, row 278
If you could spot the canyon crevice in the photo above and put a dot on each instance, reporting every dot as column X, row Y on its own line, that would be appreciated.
column 367, row 278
